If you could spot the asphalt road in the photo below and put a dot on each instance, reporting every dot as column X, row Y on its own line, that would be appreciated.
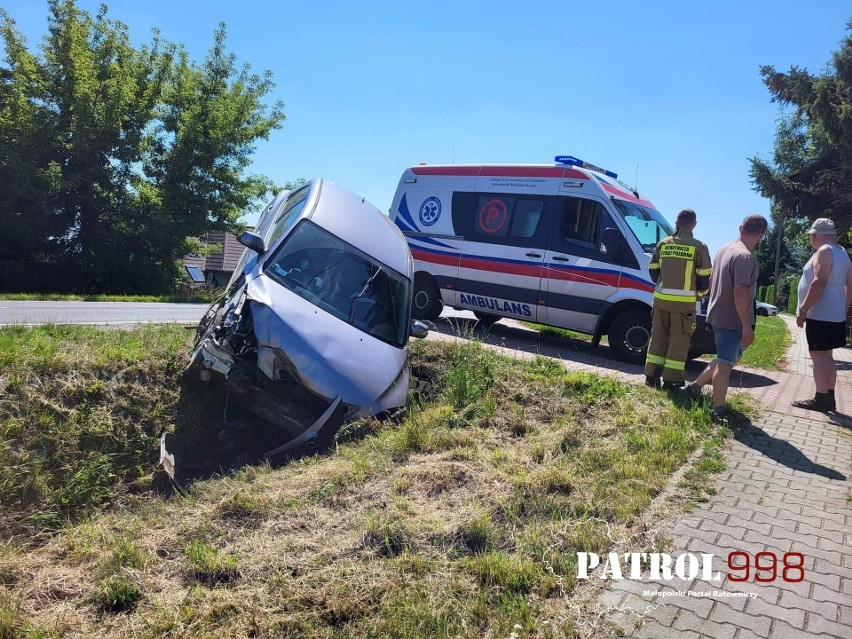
column 97, row 313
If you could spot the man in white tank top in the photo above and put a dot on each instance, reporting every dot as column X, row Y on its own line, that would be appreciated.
column 825, row 293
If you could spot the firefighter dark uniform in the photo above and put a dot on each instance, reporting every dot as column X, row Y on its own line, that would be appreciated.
column 680, row 268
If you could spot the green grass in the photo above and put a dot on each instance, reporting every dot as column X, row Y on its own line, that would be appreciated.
column 201, row 297
column 82, row 411
column 771, row 339
column 463, row 518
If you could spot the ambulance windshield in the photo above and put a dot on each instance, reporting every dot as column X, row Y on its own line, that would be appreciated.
column 647, row 225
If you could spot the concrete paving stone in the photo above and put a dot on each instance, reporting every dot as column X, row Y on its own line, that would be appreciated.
column 769, row 509
column 793, row 616
column 835, row 523
column 736, row 515
column 630, row 586
column 831, row 544
column 770, row 542
column 830, row 584
column 726, row 541
column 809, row 540
column 825, row 609
column 653, row 630
column 745, row 633
column 846, row 585
column 697, row 606
column 809, row 550
column 612, row 598
column 705, row 626
column 734, row 531
column 807, row 528
column 781, row 630
column 760, row 518
column 726, row 615
column 817, row 623
column 701, row 539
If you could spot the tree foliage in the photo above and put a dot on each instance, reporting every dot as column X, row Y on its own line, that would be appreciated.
column 811, row 175
column 113, row 156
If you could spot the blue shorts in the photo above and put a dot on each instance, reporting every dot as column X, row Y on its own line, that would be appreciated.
column 729, row 345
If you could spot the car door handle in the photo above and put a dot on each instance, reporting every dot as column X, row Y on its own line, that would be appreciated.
column 561, row 258
column 533, row 254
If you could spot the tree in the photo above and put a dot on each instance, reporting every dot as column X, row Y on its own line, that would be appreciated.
column 811, row 175
column 119, row 155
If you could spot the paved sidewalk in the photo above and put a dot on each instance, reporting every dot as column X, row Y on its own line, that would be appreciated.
column 787, row 489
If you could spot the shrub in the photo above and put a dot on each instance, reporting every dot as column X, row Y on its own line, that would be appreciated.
column 770, row 294
column 761, row 293
column 793, row 300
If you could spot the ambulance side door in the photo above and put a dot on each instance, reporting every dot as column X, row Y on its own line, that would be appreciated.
column 505, row 235
column 577, row 278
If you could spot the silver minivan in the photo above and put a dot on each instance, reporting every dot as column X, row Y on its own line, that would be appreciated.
column 313, row 329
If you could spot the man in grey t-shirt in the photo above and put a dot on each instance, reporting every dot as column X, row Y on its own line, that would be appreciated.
column 731, row 310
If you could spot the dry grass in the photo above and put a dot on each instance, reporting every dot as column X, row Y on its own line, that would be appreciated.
column 462, row 520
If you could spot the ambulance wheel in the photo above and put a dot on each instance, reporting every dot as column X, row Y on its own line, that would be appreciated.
column 629, row 336
column 427, row 303
column 486, row 320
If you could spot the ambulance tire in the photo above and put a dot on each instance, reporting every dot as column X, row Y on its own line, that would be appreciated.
column 486, row 320
column 427, row 303
column 629, row 335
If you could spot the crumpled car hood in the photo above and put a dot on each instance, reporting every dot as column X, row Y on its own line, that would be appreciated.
column 328, row 356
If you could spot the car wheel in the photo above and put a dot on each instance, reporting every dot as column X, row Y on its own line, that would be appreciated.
column 763, row 312
column 427, row 303
column 486, row 320
column 629, row 335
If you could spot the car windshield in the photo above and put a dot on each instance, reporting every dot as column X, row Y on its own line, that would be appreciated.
column 343, row 281
column 647, row 225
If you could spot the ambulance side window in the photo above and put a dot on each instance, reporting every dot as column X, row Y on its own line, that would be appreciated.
column 580, row 227
column 500, row 218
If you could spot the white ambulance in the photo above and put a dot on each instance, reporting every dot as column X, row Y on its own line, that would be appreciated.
column 566, row 245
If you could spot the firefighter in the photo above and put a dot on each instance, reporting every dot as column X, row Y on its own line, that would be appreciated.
column 680, row 268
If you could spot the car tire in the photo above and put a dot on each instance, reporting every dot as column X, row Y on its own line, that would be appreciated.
column 426, row 303
column 763, row 312
column 486, row 320
column 629, row 335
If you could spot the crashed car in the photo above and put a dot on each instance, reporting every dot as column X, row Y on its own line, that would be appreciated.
column 312, row 331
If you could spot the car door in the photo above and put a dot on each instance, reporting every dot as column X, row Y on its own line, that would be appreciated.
column 578, row 277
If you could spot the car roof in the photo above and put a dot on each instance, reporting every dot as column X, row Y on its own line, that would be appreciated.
column 354, row 220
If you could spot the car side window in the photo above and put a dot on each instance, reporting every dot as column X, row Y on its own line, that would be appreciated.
column 289, row 213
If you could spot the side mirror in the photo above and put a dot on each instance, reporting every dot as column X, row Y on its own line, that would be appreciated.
column 612, row 243
column 252, row 241
column 419, row 329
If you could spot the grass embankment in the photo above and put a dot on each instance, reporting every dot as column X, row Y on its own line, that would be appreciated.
column 462, row 520
column 562, row 332
column 202, row 297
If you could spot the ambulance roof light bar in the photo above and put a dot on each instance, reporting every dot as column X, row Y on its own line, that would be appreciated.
column 571, row 160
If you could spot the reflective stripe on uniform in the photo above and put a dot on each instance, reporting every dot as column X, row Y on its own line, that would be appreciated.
column 654, row 265
column 655, row 359
column 687, row 276
column 675, row 298
column 703, row 272
column 675, row 365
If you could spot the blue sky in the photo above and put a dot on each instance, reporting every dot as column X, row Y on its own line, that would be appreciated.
column 371, row 88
